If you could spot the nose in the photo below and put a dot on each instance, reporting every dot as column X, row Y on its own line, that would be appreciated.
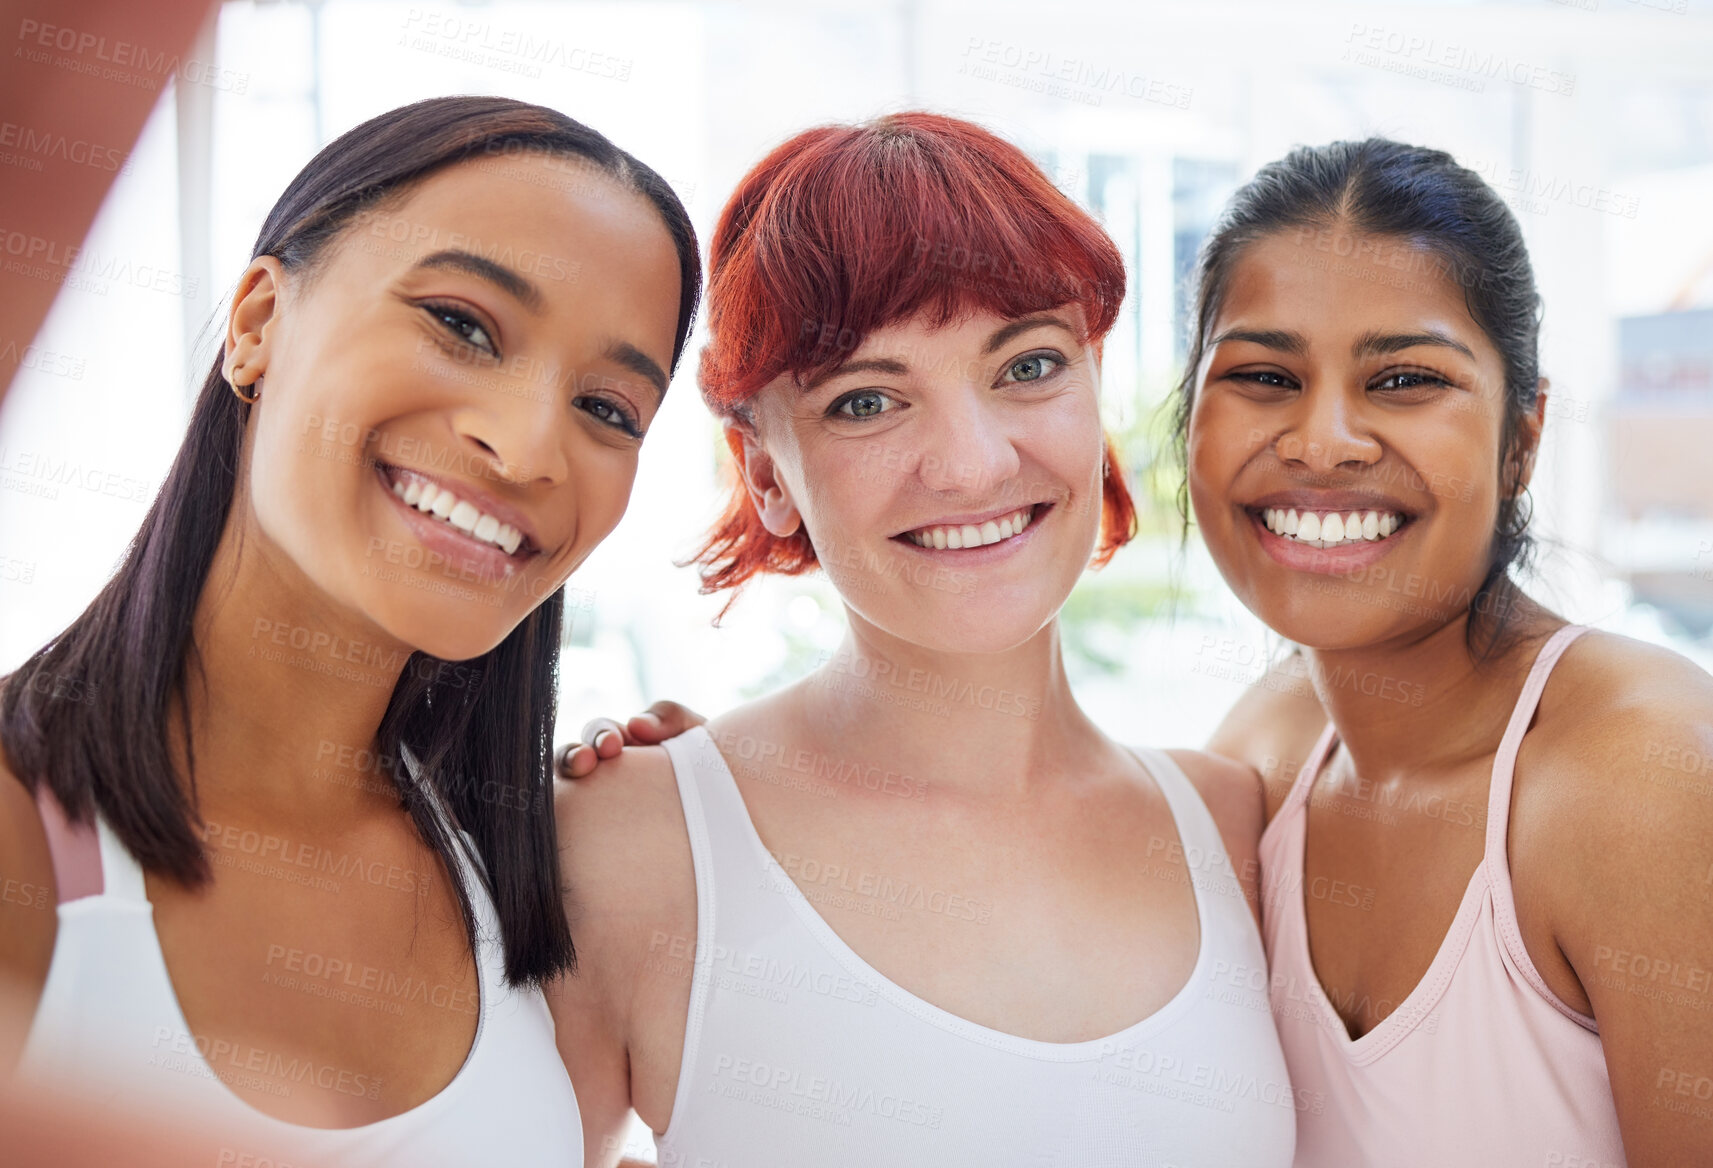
column 1327, row 430
column 966, row 446
column 516, row 436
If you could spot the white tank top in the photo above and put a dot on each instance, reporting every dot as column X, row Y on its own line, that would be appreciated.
column 797, row 1052
column 109, row 1027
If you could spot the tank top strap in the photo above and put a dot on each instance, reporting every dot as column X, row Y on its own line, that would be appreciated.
column 1195, row 823
column 722, row 836
column 1505, row 759
column 1303, row 784
column 122, row 876
column 73, row 848
column 1212, row 874
column 1496, row 861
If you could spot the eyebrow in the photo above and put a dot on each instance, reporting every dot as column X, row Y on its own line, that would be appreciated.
column 1281, row 339
column 1367, row 345
column 500, row 276
column 897, row 368
column 638, row 362
column 1018, row 327
column 1380, row 344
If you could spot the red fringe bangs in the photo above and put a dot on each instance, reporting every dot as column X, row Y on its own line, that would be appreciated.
column 842, row 230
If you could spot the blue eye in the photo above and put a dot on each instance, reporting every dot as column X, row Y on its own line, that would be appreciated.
column 1034, row 367
column 865, row 403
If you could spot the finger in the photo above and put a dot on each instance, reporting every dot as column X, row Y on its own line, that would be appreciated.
column 663, row 720
column 574, row 761
column 605, row 735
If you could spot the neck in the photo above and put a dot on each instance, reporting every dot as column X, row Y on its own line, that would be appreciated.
column 1421, row 704
column 992, row 722
column 290, row 693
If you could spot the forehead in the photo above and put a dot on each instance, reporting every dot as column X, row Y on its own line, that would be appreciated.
column 545, row 216
column 971, row 328
column 1335, row 285
column 590, row 246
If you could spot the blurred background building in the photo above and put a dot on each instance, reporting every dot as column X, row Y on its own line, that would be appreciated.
column 1594, row 119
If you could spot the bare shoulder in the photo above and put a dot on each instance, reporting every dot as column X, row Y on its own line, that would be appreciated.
column 1620, row 716
column 1618, row 773
column 1231, row 790
column 1272, row 728
column 1233, row 795
column 28, row 917
column 621, row 831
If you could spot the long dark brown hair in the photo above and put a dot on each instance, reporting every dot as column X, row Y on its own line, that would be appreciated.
column 88, row 714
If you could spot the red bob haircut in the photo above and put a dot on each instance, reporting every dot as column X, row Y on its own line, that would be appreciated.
column 842, row 230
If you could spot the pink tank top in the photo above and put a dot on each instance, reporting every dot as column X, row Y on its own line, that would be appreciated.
column 1481, row 1064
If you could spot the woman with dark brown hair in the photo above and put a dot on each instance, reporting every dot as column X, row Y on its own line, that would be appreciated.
column 286, row 779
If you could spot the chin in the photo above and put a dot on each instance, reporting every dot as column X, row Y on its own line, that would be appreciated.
column 452, row 630
column 996, row 621
column 1328, row 623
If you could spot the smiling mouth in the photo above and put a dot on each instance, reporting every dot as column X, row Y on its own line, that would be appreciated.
column 942, row 536
column 441, row 503
column 1330, row 529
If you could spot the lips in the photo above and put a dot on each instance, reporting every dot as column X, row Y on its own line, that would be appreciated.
column 459, row 509
column 975, row 531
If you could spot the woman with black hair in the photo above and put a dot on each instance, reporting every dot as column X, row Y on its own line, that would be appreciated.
column 287, row 777
column 1484, row 838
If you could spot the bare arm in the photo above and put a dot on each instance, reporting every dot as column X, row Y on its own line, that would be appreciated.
column 628, row 879
column 1626, row 875
column 28, row 914
column 56, row 207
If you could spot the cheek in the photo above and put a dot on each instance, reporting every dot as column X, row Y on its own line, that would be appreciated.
column 1215, row 450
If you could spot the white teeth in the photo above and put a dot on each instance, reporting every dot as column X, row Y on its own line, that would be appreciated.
column 1332, row 528
column 432, row 499
column 463, row 516
column 969, row 535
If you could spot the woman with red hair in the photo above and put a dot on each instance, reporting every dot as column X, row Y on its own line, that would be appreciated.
column 916, row 907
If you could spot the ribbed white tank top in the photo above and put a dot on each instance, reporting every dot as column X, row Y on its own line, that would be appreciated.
column 798, row 1054
column 109, row 1027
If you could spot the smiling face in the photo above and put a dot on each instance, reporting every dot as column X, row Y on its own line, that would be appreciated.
column 949, row 478
column 454, row 397
column 1344, row 444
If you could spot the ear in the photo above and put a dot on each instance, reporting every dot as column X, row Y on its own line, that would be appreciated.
column 771, row 497
column 1528, row 440
column 255, row 307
